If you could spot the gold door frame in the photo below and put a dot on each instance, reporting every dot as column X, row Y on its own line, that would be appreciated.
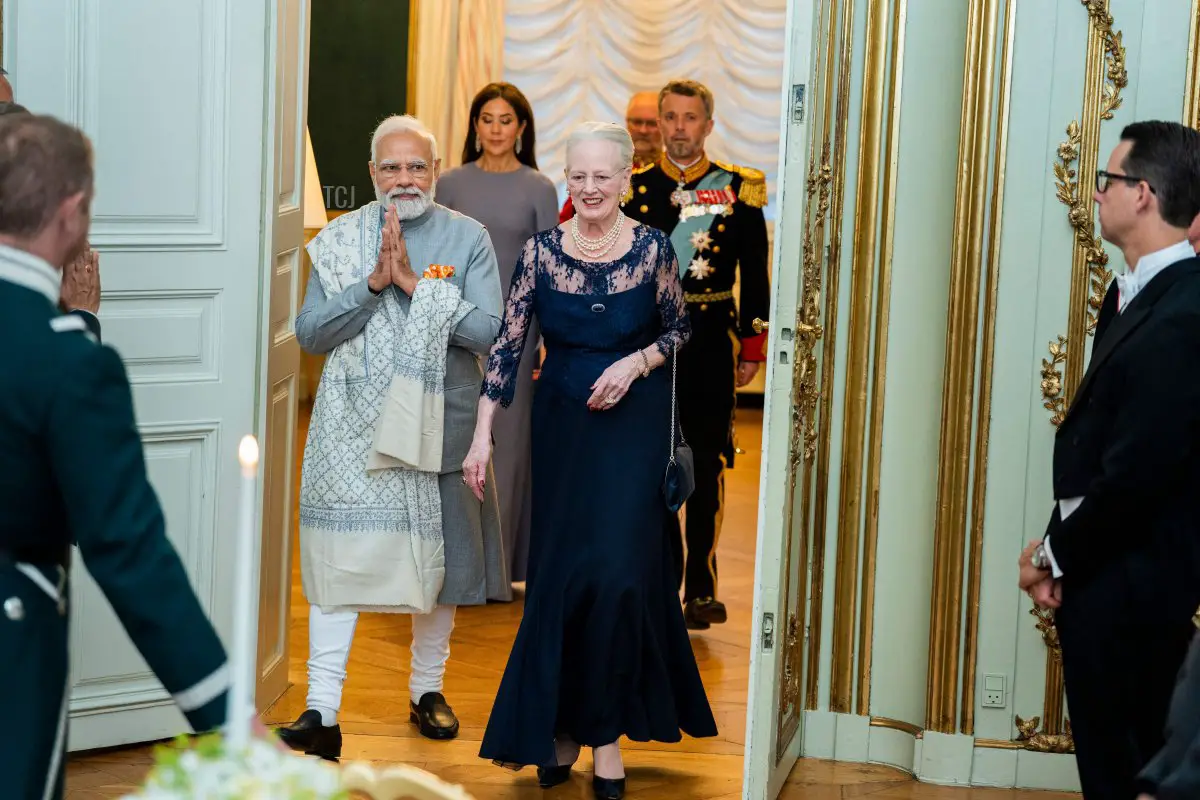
column 812, row 382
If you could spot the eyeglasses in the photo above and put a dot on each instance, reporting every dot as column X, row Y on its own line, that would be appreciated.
column 1104, row 179
column 576, row 180
column 417, row 169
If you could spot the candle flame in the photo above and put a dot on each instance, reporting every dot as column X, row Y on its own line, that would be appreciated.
column 248, row 452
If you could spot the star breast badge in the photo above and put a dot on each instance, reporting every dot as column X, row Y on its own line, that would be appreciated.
column 439, row 271
column 701, row 241
column 700, row 268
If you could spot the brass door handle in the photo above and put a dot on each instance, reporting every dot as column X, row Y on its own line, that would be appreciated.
column 760, row 325
column 816, row 330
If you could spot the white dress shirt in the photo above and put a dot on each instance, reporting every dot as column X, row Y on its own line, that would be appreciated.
column 1128, row 285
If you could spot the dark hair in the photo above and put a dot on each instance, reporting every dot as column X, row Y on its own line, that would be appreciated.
column 42, row 163
column 688, row 89
column 1167, row 156
column 513, row 96
column 12, row 108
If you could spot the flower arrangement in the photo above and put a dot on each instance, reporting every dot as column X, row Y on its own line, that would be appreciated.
column 207, row 768
column 439, row 271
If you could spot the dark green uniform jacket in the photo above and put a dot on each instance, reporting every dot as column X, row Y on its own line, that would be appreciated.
column 72, row 473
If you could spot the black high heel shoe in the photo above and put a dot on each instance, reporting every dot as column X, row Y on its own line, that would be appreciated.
column 549, row 777
column 608, row 788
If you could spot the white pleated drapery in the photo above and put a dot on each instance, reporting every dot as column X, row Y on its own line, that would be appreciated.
column 458, row 49
column 580, row 60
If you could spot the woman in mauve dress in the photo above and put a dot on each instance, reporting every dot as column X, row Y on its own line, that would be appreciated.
column 500, row 186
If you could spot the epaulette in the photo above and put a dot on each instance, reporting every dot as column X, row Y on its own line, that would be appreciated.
column 753, row 191
column 645, row 168
column 72, row 323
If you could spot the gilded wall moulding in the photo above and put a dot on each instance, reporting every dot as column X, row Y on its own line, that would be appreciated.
column 1116, row 77
column 1052, row 381
column 1031, row 739
column 803, row 444
column 1080, row 216
column 1045, row 626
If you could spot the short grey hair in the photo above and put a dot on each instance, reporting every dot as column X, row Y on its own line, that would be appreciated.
column 603, row 132
column 405, row 123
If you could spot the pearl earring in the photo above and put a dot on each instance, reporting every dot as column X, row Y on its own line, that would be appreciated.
column 478, row 144
column 518, row 148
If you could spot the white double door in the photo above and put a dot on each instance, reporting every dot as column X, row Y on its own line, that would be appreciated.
column 196, row 110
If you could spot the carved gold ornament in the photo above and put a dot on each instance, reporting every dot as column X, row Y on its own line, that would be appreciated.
column 1029, row 736
column 1116, row 77
column 1052, row 382
column 803, row 442
column 1045, row 626
column 1080, row 216
column 808, row 323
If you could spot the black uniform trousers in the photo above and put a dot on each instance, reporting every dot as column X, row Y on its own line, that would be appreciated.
column 33, row 639
column 706, row 395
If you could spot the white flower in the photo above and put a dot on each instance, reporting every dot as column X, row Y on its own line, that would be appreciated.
column 260, row 771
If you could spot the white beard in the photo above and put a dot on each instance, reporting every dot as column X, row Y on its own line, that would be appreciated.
column 409, row 203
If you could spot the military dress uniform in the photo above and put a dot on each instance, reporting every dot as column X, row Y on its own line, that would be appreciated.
column 713, row 213
column 72, row 473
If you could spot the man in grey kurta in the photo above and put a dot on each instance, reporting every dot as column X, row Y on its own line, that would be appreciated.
column 366, row 265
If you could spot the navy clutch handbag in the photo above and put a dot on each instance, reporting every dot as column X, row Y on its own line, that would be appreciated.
column 680, row 479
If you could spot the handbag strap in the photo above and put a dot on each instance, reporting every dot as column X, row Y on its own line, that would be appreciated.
column 674, row 406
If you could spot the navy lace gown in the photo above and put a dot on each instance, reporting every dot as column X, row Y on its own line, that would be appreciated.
column 602, row 651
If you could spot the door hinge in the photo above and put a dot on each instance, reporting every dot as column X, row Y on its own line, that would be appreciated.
column 768, row 632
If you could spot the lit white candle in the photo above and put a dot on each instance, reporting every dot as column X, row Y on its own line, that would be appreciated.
column 240, row 708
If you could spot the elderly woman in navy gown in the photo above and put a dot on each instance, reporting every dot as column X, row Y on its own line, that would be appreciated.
column 602, row 651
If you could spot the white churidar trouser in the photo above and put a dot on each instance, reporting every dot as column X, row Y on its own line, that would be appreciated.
column 329, row 638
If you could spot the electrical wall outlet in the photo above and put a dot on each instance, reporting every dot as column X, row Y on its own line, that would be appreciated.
column 993, row 691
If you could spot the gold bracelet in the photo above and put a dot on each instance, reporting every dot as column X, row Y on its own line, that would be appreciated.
column 646, row 363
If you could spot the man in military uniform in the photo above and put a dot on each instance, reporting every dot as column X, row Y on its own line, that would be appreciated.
column 73, row 471
column 713, row 213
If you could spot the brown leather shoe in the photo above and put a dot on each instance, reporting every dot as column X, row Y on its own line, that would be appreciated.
column 703, row 612
column 433, row 717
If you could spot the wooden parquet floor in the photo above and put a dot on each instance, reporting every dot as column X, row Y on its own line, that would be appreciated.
column 374, row 716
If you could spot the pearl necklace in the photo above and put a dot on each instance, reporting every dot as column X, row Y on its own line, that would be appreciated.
column 595, row 248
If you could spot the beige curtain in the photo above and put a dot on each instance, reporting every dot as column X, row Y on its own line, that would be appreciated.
column 581, row 59
column 458, row 48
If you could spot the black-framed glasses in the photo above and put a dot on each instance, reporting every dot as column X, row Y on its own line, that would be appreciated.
column 1104, row 179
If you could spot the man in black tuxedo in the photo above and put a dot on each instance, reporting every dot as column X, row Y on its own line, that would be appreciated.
column 1121, row 556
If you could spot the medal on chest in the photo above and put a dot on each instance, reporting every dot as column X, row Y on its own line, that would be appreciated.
column 698, row 202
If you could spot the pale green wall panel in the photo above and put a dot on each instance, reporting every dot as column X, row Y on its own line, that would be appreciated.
column 931, row 110
column 1036, row 254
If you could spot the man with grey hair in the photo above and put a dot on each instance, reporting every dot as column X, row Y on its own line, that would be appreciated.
column 404, row 299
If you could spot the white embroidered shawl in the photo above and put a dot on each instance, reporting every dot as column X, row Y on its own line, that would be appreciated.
column 371, row 529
